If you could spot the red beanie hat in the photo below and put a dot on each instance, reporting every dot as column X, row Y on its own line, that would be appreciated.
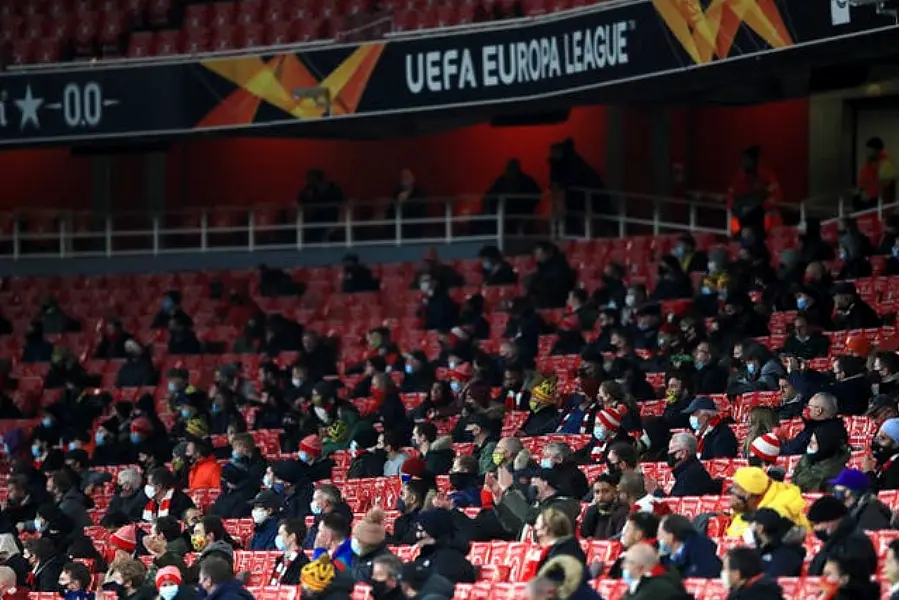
column 311, row 445
column 125, row 538
column 766, row 447
column 167, row 575
column 414, row 468
column 610, row 417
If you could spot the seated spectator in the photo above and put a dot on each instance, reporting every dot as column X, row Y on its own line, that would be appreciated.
column 432, row 269
column 716, row 438
column 465, row 482
column 182, row 338
column 632, row 491
column 690, row 477
column 678, row 396
column 689, row 552
column 891, row 568
column 710, row 377
column 205, row 471
column 689, row 257
column 673, row 283
column 442, row 550
column 112, row 340
column 544, row 417
column 333, row 540
column 419, row 375
column 495, row 269
column 826, row 455
column 163, row 498
column 241, row 478
column 368, row 544
column 387, row 574
column 438, row 312
column 778, row 542
column 761, row 372
column 289, row 542
column 357, row 277
column 847, row 578
column 549, row 285
column 882, row 465
column 391, row 443
column 138, row 369
column 170, row 584
column 743, row 576
column 805, row 343
column 752, row 489
column 852, row 387
column 325, row 500
column 55, row 320
column 437, row 452
column 45, row 563
column 832, row 525
column 216, row 578
column 422, row 582
column 854, row 489
column 558, row 455
column 170, row 308
column 368, row 460
column 821, row 411
column 763, row 453
column 512, row 507
column 266, row 506
column 851, row 311
column 606, row 516
column 75, row 581
column 646, row 578
column 883, row 408
column 639, row 527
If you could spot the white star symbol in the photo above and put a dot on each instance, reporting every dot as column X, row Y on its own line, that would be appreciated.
column 28, row 107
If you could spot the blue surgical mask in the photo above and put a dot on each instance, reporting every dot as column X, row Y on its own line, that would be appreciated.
column 811, row 451
column 456, row 386
column 136, row 438
column 167, row 592
column 679, row 251
column 600, row 433
column 172, row 387
column 216, row 409
column 167, row 304
column 664, row 548
column 186, row 413
column 38, row 524
column 35, row 450
column 694, row 423
column 279, row 543
column 303, row 456
column 73, row 446
column 408, row 369
column 546, row 463
column 802, row 303
column 235, row 455
column 356, row 547
column 315, row 508
column 626, row 577
column 750, row 368
column 47, row 422
column 895, row 251
column 100, row 437
column 707, row 290
column 400, row 505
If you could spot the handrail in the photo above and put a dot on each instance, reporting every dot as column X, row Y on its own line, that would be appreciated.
column 271, row 227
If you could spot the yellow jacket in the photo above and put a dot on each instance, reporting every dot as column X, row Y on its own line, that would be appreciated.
column 785, row 498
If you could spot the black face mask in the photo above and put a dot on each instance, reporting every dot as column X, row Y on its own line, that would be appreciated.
column 380, row 590
column 755, row 461
column 116, row 588
column 822, row 535
column 881, row 453
column 613, row 468
column 62, row 590
column 672, row 459
column 463, row 481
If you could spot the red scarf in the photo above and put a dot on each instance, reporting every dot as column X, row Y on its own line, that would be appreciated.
column 881, row 469
column 712, row 423
column 153, row 512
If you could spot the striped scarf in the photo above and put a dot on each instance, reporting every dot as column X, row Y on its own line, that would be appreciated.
column 153, row 512
column 281, row 566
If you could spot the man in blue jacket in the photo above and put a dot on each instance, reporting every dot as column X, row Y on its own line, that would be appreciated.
column 266, row 513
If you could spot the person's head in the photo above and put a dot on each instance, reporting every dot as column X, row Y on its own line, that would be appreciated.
column 605, row 492
column 332, row 531
column 325, row 498
column 159, row 482
column 702, row 355
column 749, row 161
column 129, row 573
column 191, row 516
column 386, row 573
column 543, row 251
column 748, row 489
column 555, row 453
column 506, row 450
column 214, row 571
column 168, row 580
column 552, row 525
column 873, row 149
column 513, row 377
column 18, row 489
column 622, row 457
column 825, row 515
column 424, row 434
column 842, row 568
column 413, row 494
column 631, row 487
column 58, row 484
column 821, row 407
column 681, row 448
column 37, row 551
column 640, row 527
column 674, row 531
column 209, row 529
column 291, row 533
column 577, row 298
column 740, row 565
column 678, row 387
column 639, row 561
column 74, row 577
column 850, row 486
column 7, row 579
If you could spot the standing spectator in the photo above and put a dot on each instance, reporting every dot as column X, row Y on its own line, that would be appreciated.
column 321, row 201
column 876, row 177
column 517, row 194
column 753, row 192
column 410, row 201
column 549, row 285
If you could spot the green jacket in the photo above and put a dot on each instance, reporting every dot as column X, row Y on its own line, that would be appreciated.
column 514, row 511
column 353, row 423
column 811, row 476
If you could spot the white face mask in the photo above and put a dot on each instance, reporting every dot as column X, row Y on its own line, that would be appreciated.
column 748, row 539
column 724, row 580
column 168, row 591
column 322, row 415
column 630, row 300
column 150, row 491
column 259, row 515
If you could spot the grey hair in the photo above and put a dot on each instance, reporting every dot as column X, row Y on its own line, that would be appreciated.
column 557, row 449
column 390, row 562
column 686, row 441
column 828, row 402
column 131, row 478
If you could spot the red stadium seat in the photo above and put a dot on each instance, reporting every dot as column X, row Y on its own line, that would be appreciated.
column 196, row 15
column 48, row 50
column 168, row 42
column 407, row 20
column 112, row 32
column 308, row 29
column 136, row 11
column 251, row 35
column 224, row 38
column 196, row 40
column 159, row 12
column 11, row 28
column 278, row 33
column 222, row 14
column 35, row 27
column 86, row 33
column 249, row 12
column 140, row 44
column 22, row 52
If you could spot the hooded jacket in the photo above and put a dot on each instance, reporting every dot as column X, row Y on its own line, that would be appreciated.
column 574, row 584
column 783, row 497
column 811, row 474
column 760, row 589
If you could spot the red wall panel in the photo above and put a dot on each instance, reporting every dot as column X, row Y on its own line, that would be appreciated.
column 44, row 178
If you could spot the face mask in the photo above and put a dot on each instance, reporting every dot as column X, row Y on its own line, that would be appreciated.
column 400, row 505
column 695, row 425
column 679, row 251
column 379, row 589
column 895, row 252
column 354, row 448
column 498, row 458
column 304, row 456
column 811, row 451
column 424, row 287
column 215, row 409
column 186, row 413
column 630, row 300
column 259, row 515
column 456, row 386
column 172, row 387
column 750, row 368
column 840, row 495
column 315, row 508
column 644, row 439
column 408, row 369
column 451, row 364
column 724, row 580
column 72, row 446
column 279, row 543
column 546, row 463
column 600, row 433
column 462, row 481
column 822, row 535
column 47, row 422
column 487, row 265
column 167, row 592
column 356, row 547
column 198, row 542
column 802, row 303
column 38, row 524
column 296, row 381
column 150, row 491
column 881, row 453
column 100, row 438
column 707, row 291
column 749, row 537
column 322, row 414
column 35, row 451
column 664, row 548
column 627, row 578
column 672, row 459
column 236, row 456
column 535, row 406
column 136, row 438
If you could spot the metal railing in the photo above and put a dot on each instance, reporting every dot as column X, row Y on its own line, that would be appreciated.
column 43, row 234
